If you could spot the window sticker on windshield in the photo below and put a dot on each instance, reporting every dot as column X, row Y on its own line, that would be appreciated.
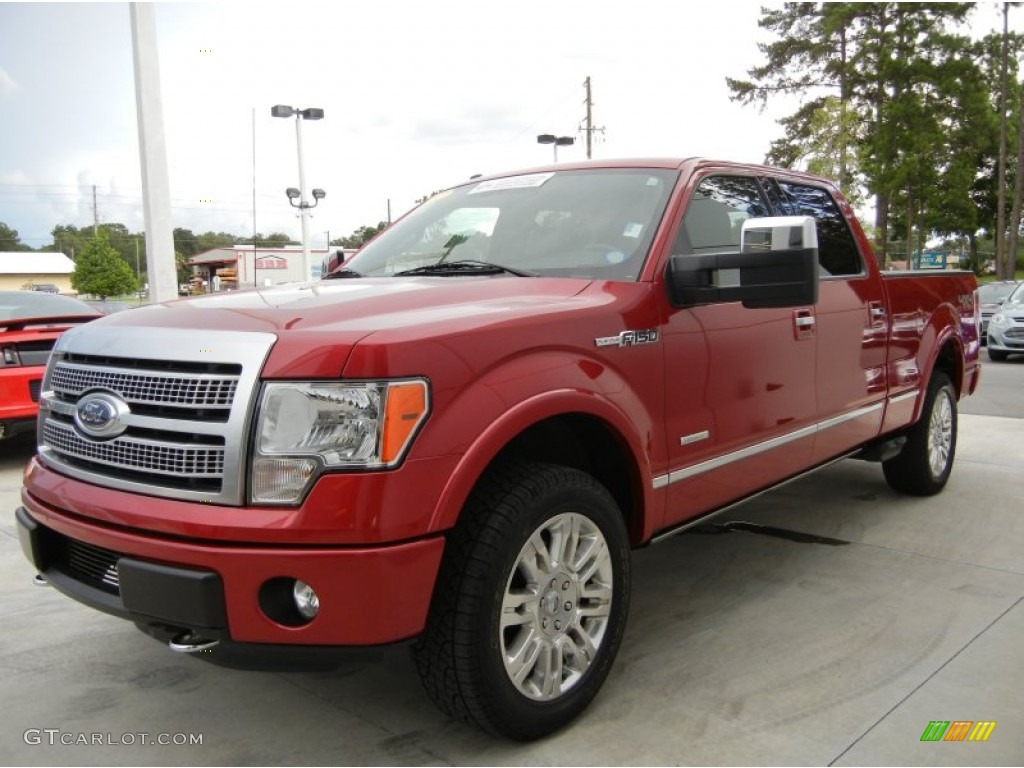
column 512, row 182
column 633, row 229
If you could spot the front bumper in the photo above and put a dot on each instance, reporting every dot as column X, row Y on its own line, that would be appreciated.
column 19, row 400
column 1006, row 338
column 368, row 595
column 12, row 427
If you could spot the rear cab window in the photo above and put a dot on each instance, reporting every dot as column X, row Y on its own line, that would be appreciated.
column 838, row 255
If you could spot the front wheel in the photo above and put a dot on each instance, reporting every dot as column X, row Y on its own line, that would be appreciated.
column 997, row 355
column 530, row 604
column 923, row 466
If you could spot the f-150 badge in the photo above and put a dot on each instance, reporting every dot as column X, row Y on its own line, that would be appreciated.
column 629, row 338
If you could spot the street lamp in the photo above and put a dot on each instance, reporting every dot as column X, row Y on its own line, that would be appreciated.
column 311, row 113
column 556, row 141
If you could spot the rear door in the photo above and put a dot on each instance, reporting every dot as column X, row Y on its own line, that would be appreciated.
column 851, row 323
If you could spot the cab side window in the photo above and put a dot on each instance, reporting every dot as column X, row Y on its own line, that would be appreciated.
column 837, row 250
column 716, row 212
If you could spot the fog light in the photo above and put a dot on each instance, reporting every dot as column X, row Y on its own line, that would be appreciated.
column 306, row 600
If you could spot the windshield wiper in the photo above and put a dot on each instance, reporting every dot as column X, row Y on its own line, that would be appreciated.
column 464, row 267
column 342, row 273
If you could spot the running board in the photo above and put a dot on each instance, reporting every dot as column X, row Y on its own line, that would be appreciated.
column 681, row 527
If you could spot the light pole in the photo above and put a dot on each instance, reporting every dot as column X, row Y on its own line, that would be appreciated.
column 556, row 141
column 310, row 113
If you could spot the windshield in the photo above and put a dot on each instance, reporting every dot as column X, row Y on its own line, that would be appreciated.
column 593, row 223
column 1018, row 294
column 993, row 293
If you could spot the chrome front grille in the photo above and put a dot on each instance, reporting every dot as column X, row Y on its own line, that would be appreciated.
column 182, row 389
column 184, row 420
column 137, row 455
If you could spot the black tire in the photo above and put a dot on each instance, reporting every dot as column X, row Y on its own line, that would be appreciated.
column 461, row 656
column 997, row 355
column 923, row 466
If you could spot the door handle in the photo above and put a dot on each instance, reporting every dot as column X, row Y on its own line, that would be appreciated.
column 876, row 312
column 803, row 324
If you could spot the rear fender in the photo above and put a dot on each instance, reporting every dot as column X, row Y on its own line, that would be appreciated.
column 939, row 335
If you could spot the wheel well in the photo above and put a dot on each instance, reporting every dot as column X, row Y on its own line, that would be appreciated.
column 948, row 361
column 589, row 445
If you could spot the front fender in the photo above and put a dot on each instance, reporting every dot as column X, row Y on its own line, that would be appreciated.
column 492, row 436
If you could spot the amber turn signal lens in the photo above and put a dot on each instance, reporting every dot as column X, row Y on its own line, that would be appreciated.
column 404, row 411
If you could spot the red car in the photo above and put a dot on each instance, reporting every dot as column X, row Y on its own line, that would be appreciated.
column 30, row 322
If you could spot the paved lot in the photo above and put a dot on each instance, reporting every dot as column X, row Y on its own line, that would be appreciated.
column 747, row 644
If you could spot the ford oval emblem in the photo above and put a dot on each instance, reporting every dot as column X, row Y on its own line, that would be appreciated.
column 101, row 414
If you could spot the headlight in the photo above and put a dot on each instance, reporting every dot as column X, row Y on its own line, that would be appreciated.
column 305, row 427
column 998, row 319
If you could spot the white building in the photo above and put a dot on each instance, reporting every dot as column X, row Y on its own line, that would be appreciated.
column 23, row 269
column 242, row 266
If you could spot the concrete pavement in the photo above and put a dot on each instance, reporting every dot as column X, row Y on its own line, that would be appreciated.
column 748, row 643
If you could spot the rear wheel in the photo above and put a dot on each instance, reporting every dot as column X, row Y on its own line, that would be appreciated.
column 923, row 466
column 530, row 604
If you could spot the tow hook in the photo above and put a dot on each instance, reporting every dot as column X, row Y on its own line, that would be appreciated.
column 190, row 642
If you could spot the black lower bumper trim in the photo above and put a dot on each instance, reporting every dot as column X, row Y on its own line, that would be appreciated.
column 145, row 592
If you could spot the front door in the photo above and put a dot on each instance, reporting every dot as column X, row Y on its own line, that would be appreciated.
column 740, row 389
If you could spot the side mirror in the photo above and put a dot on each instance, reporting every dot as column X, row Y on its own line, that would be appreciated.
column 776, row 266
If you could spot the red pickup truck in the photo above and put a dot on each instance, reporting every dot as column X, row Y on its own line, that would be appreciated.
column 458, row 436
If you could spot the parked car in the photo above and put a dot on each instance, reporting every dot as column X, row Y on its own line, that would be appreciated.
column 44, row 288
column 990, row 298
column 30, row 323
column 1006, row 328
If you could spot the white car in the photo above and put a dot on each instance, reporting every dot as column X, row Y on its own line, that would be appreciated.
column 1006, row 328
column 990, row 297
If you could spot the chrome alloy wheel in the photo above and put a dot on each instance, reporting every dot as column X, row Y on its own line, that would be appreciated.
column 940, row 434
column 556, row 606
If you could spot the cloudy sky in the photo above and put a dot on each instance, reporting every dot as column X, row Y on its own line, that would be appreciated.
column 417, row 95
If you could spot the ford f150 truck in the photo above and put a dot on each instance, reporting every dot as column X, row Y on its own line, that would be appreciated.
column 458, row 436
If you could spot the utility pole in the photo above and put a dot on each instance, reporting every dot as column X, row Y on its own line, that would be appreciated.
column 95, row 212
column 588, row 121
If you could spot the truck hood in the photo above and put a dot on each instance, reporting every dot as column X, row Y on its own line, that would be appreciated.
column 352, row 308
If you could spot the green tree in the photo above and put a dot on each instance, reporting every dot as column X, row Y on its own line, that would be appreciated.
column 10, row 241
column 69, row 239
column 361, row 236
column 823, row 147
column 273, row 240
column 185, row 242
column 891, row 67
column 100, row 270
column 211, row 240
